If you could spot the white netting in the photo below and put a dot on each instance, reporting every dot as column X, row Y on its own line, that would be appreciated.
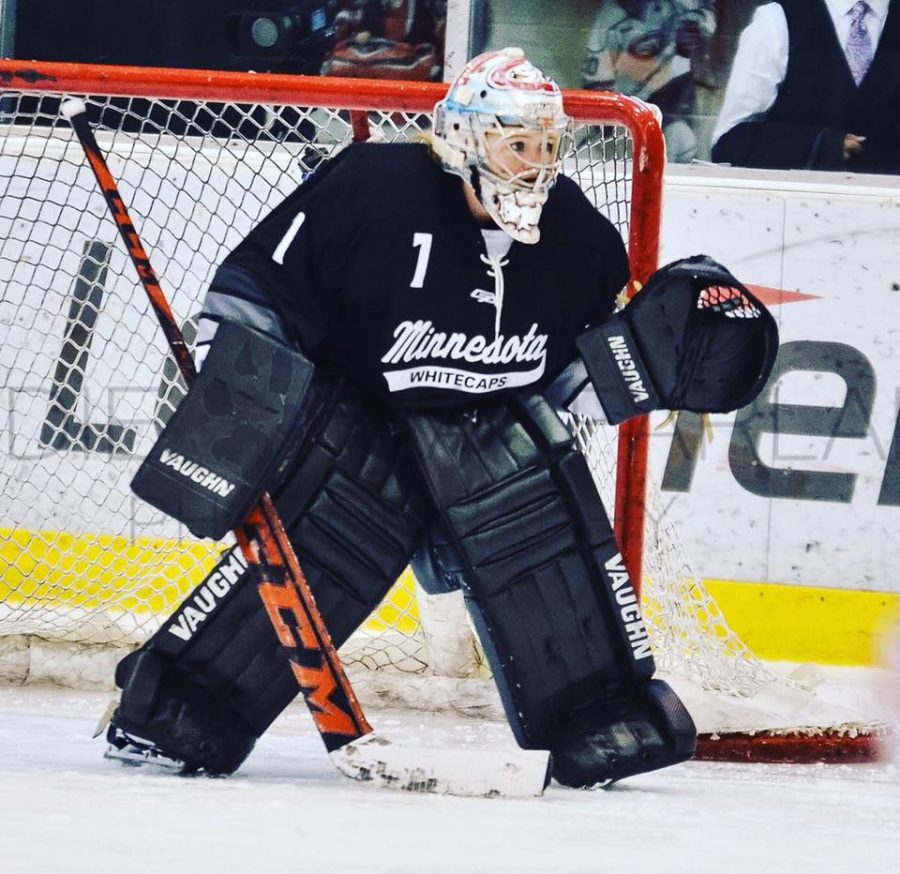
column 86, row 377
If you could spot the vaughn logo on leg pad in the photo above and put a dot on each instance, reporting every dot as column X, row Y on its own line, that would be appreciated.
column 208, row 596
column 197, row 473
column 629, row 609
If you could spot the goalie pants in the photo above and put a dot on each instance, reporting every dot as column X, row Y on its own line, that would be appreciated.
column 507, row 506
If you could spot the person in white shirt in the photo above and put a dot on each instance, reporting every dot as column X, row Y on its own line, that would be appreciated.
column 814, row 85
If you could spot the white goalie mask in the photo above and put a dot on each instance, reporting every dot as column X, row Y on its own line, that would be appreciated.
column 502, row 128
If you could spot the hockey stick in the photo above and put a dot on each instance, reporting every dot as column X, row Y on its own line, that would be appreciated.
column 349, row 739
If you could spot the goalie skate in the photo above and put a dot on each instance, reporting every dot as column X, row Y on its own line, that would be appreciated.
column 137, row 752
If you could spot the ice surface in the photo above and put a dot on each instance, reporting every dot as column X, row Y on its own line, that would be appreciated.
column 66, row 809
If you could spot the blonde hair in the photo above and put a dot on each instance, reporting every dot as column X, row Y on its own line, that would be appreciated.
column 426, row 137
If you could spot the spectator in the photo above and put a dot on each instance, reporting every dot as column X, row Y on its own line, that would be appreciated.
column 389, row 39
column 828, row 103
column 644, row 48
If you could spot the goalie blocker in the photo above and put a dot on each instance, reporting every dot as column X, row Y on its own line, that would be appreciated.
column 232, row 435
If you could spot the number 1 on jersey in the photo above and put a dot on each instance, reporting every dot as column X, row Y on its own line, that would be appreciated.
column 422, row 242
column 288, row 238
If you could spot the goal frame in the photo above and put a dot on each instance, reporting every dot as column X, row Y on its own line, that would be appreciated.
column 359, row 96
column 636, row 499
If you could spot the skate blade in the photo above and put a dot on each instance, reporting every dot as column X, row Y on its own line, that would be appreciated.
column 138, row 757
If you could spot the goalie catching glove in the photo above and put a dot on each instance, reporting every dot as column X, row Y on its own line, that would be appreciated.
column 693, row 339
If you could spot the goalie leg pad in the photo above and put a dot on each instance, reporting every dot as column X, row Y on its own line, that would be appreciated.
column 165, row 710
column 529, row 537
column 214, row 677
column 644, row 731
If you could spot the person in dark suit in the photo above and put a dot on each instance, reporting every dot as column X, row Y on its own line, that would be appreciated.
column 815, row 85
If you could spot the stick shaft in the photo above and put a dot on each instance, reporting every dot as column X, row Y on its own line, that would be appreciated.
column 283, row 586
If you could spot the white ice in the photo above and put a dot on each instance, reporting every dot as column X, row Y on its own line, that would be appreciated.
column 66, row 809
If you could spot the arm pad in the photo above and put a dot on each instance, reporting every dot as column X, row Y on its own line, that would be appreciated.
column 693, row 339
column 236, row 429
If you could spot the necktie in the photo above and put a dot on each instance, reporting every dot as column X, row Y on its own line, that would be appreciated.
column 859, row 44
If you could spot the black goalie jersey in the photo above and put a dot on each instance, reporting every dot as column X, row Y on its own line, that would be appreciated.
column 376, row 266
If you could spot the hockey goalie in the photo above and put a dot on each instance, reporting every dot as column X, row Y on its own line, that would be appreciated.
column 414, row 317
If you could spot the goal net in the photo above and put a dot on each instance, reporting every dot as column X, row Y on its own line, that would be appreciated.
column 87, row 571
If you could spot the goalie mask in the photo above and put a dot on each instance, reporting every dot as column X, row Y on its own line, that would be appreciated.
column 502, row 129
